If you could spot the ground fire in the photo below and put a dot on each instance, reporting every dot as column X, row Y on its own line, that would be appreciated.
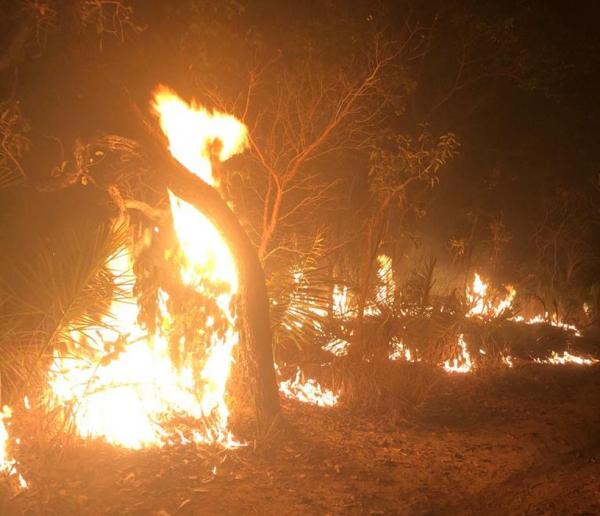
column 299, row 258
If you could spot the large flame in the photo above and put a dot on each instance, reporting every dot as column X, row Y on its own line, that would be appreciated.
column 7, row 463
column 129, row 398
column 192, row 130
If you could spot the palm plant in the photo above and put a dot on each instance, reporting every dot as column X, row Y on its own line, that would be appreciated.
column 66, row 286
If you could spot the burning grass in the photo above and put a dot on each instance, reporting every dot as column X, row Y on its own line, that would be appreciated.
column 410, row 347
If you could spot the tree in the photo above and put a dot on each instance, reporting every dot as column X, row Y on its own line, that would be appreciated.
column 109, row 163
column 257, row 353
column 397, row 166
column 323, row 92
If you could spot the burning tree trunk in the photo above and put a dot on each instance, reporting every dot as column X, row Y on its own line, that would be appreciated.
column 254, row 319
column 253, row 300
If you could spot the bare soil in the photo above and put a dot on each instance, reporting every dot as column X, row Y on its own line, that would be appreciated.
column 525, row 441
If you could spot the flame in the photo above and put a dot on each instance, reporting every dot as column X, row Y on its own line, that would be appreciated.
column 401, row 352
column 508, row 360
column 566, row 358
column 339, row 347
column 7, row 463
column 552, row 320
column 386, row 285
column 308, row 391
column 462, row 363
column 192, row 130
column 340, row 302
column 482, row 304
column 129, row 400
column 385, row 274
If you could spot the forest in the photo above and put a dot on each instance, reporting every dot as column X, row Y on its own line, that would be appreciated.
column 322, row 257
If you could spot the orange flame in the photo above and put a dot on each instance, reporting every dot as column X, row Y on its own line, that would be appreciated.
column 308, row 391
column 127, row 400
column 484, row 305
column 192, row 129
column 566, row 358
column 7, row 463
column 463, row 363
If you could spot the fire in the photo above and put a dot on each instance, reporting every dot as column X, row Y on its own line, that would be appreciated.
column 192, row 130
column 340, row 301
column 484, row 305
column 8, row 464
column 386, row 285
column 385, row 275
column 339, row 347
column 130, row 398
column 463, row 363
column 5, row 462
column 400, row 351
column 508, row 361
column 566, row 358
column 307, row 391
column 552, row 320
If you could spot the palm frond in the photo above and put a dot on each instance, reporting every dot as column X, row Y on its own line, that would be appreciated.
column 66, row 286
column 302, row 299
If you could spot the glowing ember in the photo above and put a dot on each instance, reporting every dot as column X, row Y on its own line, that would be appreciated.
column 129, row 396
column 308, row 391
column 462, row 363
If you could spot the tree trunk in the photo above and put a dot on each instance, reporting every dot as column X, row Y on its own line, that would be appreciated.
column 253, row 316
column 374, row 234
column 255, row 324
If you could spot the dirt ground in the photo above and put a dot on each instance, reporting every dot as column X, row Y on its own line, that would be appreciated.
column 526, row 441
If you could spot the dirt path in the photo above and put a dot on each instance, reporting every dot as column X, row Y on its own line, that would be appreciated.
column 525, row 443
